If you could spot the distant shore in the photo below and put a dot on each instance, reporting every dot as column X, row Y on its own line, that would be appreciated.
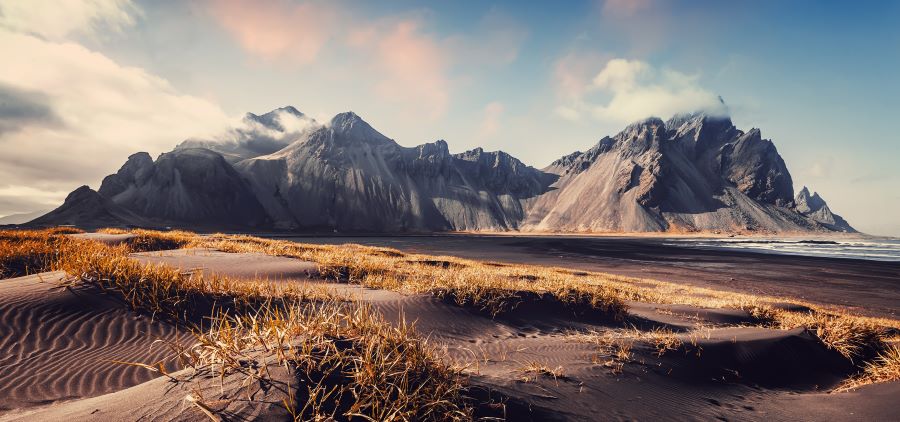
column 869, row 287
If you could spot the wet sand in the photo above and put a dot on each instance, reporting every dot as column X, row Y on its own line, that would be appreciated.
column 868, row 287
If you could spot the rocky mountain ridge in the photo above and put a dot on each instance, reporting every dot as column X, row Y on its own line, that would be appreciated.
column 284, row 171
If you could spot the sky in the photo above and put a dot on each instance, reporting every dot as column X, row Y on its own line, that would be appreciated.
column 85, row 83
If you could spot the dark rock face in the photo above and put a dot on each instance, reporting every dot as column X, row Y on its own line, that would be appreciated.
column 692, row 173
column 282, row 170
column 135, row 168
column 192, row 185
column 86, row 208
column 754, row 166
column 815, row 208
column 348, row 176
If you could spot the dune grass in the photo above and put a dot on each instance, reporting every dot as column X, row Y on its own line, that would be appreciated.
column 351, row 363
column 884, row 368
column 494, row 288
column 24, row 252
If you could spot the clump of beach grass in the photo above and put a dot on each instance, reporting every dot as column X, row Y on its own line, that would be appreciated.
column 532, row 370
column 349, row 361
column 24, row 252
column 884, row 368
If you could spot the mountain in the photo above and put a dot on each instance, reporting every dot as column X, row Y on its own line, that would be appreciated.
column 693, row 173
column 86, row 208
column 283, row 170
column 257, row 135
column 345, row 175
column 192, row 186
column 815, row 208
column 21, row 218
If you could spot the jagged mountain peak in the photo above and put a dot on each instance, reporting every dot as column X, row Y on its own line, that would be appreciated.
column 806, row 202
column 273, row 118
column 350, row 125
column 494, row 158
column 815, row 208
column 694, row 172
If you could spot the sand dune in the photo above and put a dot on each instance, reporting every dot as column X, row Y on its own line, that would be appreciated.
column 62, row 342
column 719, row 371
column 242, row 266
column 729, row 373
column 162, row 399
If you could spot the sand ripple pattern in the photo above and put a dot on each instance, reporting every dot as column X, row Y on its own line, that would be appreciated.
column 59, row 344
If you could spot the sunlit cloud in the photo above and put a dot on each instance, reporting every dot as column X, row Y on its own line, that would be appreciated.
column 405, row 64
column 57, row 19
column 278, row 30
column 628, row 90
column 490, row 120
column 72, row 115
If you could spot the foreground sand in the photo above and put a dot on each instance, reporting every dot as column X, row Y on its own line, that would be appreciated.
column 59, row 343
column 731, row 373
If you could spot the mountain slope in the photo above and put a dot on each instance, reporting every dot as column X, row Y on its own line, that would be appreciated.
column 815, row 208
column 86, row 208
column 282, row 170
column 189, row 185
column 692, row 173
column 21, row 218
column 348, row 176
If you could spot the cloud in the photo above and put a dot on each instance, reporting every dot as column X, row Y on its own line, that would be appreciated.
column 18, row 199
column 490, row 120
column 101, row 112
column 625, row 8
column 413, row 69
column 630, row 90
column 396, row 57
column 278, row 30
column 20, row 108
column 56, row 20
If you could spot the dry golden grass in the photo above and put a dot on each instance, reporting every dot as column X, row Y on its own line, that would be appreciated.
column 884, row 368
column 532, row 370
column 493, row 288
column 24, row 252
column 350, row 361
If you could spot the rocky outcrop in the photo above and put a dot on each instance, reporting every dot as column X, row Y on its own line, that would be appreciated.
column 282, row 170
column 693, row 173
column 815, row 208
column 348, row 176
column 189, row 185
column 86, row 208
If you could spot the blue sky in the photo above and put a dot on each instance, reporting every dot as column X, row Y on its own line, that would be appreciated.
column 101, row 79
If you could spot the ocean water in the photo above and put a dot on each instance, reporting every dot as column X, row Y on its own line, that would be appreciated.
column 870, row 248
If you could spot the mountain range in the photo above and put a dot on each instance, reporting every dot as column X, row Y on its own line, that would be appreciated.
column 284, row 170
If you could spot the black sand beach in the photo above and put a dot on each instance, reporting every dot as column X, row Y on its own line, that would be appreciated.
column 869, row 287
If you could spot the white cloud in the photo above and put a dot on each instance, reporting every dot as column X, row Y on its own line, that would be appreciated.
column 490, row 120
column 57, row 19
column 402, row 62
column 629, row 90
column 94, row 112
